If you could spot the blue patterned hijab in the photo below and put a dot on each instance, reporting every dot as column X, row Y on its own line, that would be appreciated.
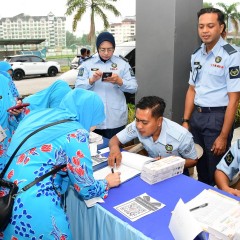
column 49, row 97
column 4, row 67
column 6, row 100
column 86, row 109
column 86, row 105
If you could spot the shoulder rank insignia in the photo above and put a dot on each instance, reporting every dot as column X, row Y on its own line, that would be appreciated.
column 229, row 49
column 125, row 59
column 229, row 158
column 85, row 59
column 196, row 50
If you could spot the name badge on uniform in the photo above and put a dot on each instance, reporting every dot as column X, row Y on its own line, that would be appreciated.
column 2, row 134
column 234, row 72
column 94, row 69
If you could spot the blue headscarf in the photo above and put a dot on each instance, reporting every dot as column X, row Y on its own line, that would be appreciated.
column 92, row 113
column 4, row 67
column 36, row 119
column 49, row 97
column 86, row 105
column 6, row 100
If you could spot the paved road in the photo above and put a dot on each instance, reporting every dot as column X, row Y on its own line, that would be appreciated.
column 30, row 85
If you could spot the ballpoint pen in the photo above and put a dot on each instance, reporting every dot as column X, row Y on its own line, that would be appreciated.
column 200, row 206
column 112, row 169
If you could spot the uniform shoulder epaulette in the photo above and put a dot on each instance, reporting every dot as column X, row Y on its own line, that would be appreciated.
column 196, row 50
column 125, row 59
column 229, row 49
column 85, row 59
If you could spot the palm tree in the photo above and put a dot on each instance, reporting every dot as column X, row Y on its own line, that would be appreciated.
column 97, row 7
column 231, row 13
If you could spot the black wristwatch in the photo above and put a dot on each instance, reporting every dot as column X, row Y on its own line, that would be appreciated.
column 185, row 120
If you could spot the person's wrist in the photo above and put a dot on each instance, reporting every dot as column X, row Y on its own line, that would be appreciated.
column 185, row 120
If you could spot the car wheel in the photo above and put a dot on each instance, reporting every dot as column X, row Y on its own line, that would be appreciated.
column 18, row 75
column 52, row 71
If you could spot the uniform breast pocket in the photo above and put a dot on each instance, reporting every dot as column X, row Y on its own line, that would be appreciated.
column 216, row 77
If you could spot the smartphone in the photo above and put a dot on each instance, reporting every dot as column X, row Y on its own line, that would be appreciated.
column 17, row 107
column 105, row 75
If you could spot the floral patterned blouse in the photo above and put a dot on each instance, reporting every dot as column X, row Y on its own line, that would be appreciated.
column 37, row 213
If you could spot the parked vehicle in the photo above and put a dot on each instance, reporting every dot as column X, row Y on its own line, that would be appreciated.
column 24, row 65
column 74, row 63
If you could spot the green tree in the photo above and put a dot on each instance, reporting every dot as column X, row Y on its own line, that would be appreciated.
column 70, row 39
column 231, row 13
column 97, row 8
column 207, row 5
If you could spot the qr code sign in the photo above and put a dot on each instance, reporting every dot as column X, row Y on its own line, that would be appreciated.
column 132, row 210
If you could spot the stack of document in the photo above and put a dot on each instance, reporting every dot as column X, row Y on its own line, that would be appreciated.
column 162, row 169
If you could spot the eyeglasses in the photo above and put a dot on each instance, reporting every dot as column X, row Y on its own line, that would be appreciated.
column 106, row 49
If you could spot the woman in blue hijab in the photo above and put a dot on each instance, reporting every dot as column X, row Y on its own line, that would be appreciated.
column 6, row 70
column 8, row 122
column 37, row 212
column 47, row 98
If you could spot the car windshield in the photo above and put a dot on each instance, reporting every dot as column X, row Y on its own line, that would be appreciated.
column 123, row 50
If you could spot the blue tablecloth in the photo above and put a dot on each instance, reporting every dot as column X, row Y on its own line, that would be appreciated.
column 103, row 222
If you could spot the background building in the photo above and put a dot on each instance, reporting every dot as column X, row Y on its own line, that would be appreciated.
column 124, row 31
column 23, row 26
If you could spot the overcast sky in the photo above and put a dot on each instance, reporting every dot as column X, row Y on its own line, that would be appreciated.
column 58, row 7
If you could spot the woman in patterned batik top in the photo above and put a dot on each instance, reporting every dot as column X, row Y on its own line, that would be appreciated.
column 37, row 212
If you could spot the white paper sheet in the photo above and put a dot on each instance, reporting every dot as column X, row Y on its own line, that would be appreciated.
column 182, row 224
column 139, row 207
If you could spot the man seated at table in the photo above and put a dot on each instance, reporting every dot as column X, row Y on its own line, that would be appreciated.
column 160, row 136
column 228, row 169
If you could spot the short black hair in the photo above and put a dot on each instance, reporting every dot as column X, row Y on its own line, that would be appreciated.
column 156, row 104
column 213, row 10
column 88, row 51
column 83, row 51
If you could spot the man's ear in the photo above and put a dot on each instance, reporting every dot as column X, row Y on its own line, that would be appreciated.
column 159, row 121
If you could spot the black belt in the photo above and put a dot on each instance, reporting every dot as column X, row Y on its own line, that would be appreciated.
column 210, row 109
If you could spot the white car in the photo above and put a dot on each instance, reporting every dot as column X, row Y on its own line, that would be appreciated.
column 24, row 65
column 125, row 49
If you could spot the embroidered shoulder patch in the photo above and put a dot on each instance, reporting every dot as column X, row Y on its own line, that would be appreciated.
column 131, row 72
column 229, row 158
column 130, row 130
column 234, row 72
column 80, row 72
